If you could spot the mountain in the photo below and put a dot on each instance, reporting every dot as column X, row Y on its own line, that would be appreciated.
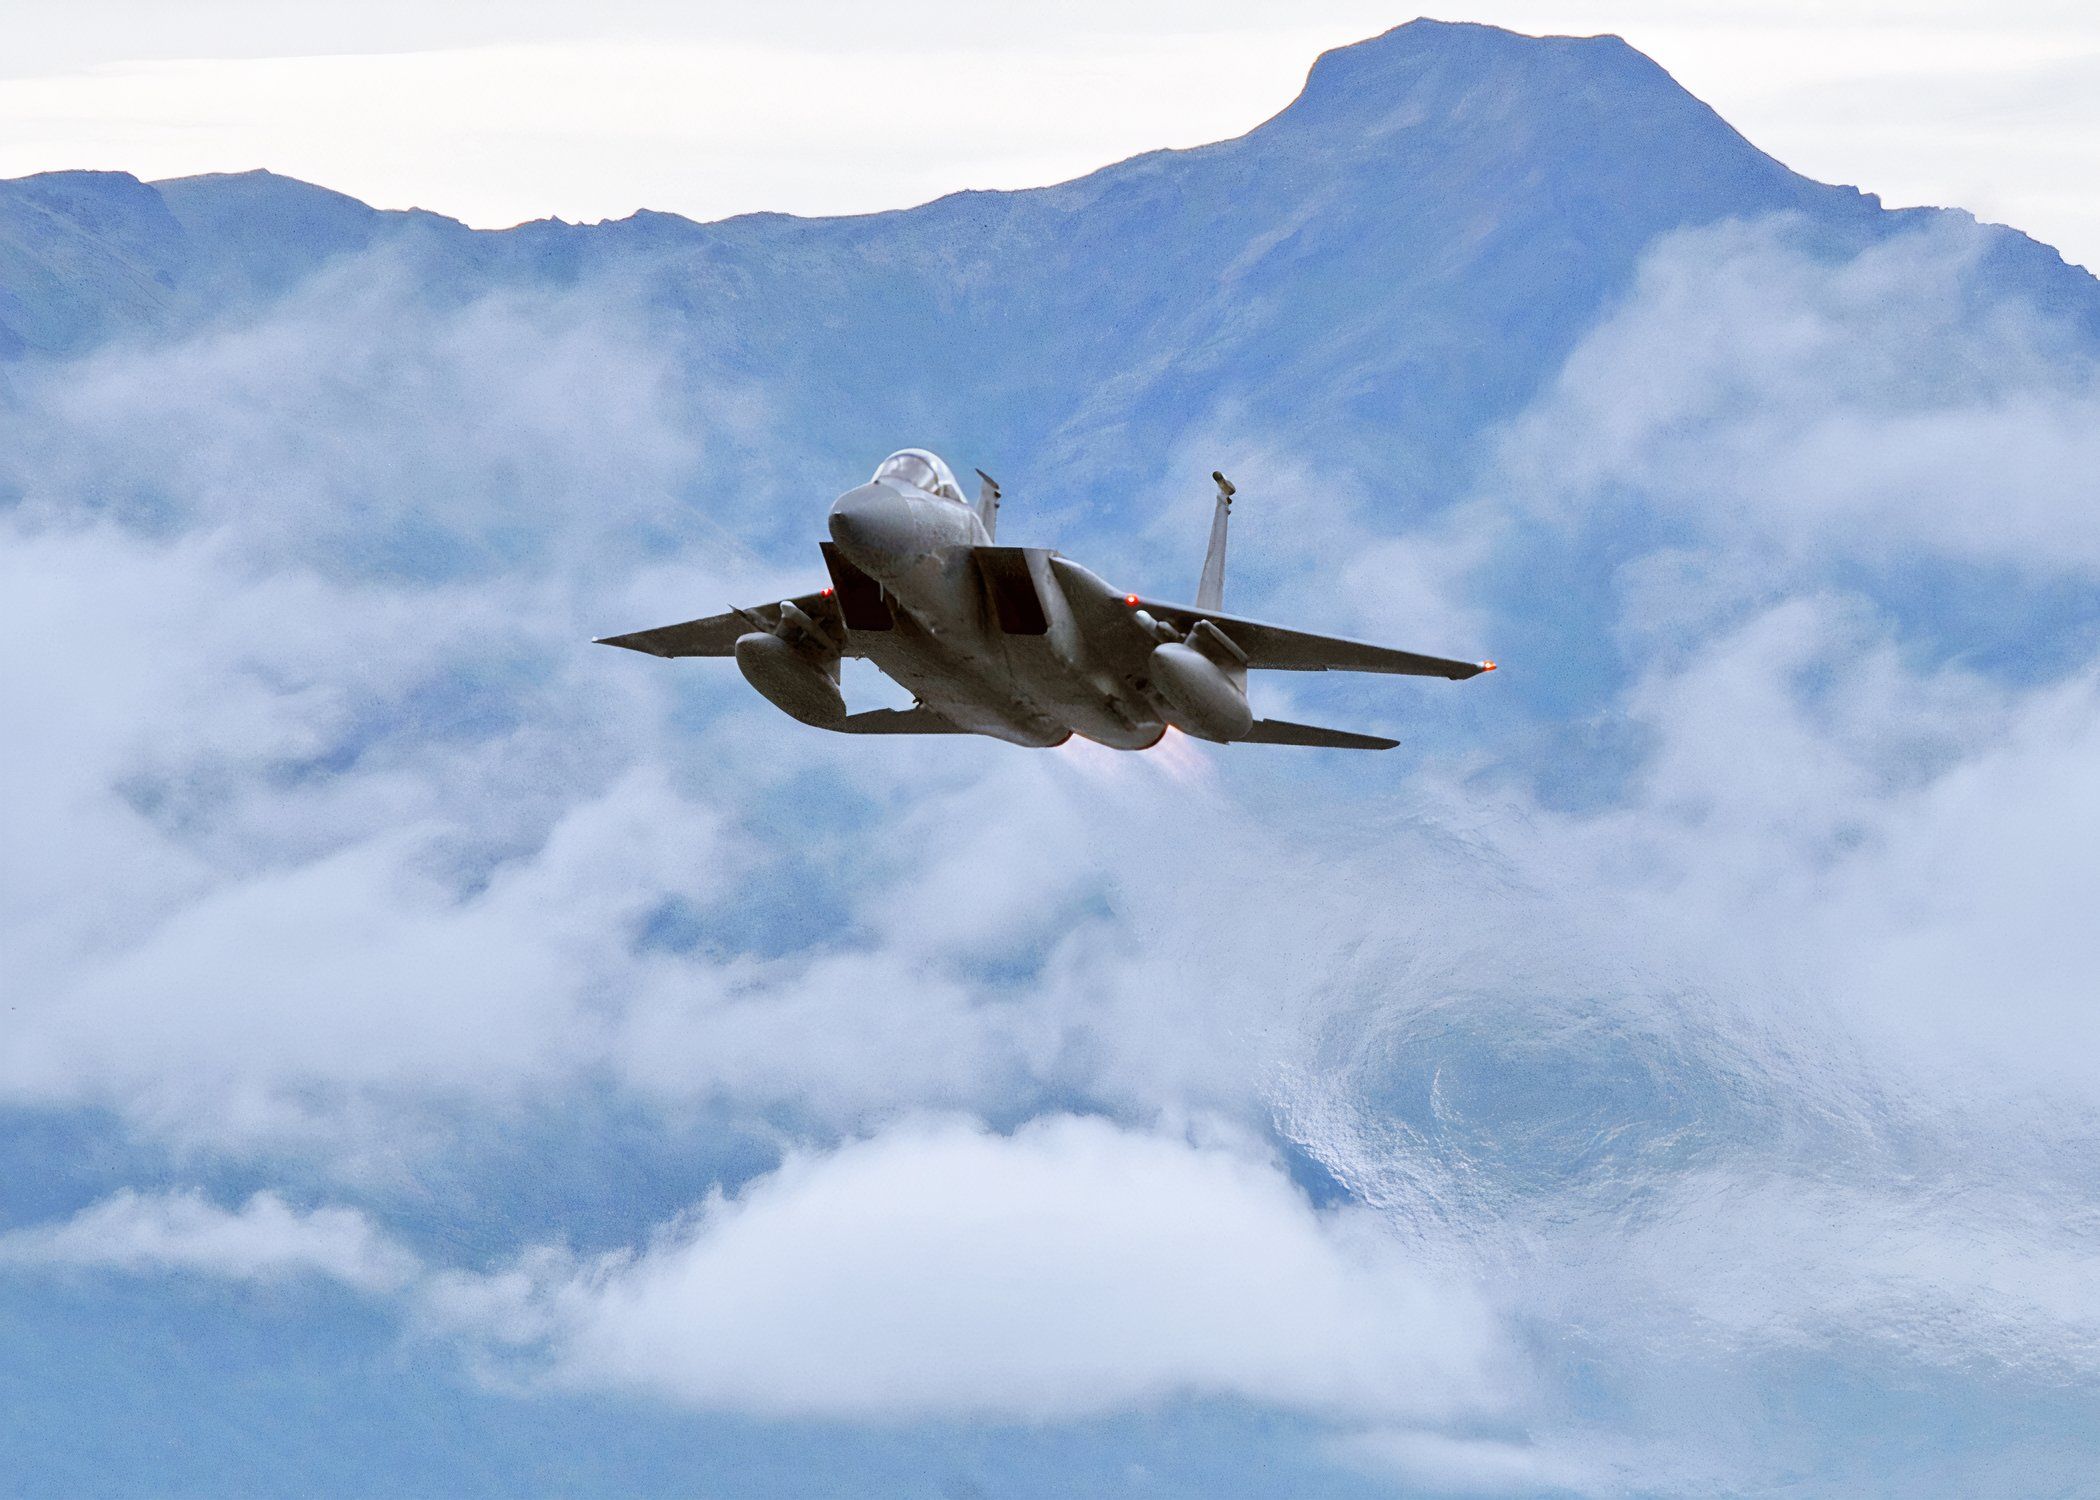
column 1396, row 260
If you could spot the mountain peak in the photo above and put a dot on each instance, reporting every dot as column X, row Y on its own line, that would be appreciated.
column 1473, row 45
column 1495, row 108
column 1472, row 72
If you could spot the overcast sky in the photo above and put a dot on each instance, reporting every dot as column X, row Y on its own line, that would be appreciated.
column 500, row 112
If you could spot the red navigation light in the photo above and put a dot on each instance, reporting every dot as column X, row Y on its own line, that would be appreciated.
column 827, row 593
column 1131, row 600
column 1487, row 666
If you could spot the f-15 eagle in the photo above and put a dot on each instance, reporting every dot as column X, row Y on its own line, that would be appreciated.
column 1017, row 643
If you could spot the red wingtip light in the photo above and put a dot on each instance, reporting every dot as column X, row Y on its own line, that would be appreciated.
column 1487, row 666
column 827, row 593
column 1131, row 600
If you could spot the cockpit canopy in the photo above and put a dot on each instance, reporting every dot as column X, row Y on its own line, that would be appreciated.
column 915, row 466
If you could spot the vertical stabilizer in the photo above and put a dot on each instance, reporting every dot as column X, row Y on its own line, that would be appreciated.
column 988, row 505
column 1210, row 593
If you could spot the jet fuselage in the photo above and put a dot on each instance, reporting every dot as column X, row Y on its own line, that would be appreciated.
column 948, row 646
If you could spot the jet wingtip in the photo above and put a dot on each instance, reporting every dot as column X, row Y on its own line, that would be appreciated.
column 625, row 643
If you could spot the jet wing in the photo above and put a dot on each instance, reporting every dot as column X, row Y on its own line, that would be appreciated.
column 1278, row 648
column 716, row 634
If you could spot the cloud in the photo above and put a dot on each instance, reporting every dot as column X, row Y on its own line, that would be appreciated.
column 1447, row 1465
column 1759, row 392
column 1790, row 1078
column 295, row 599
column 1994, row 1281
column 368, row 967
column 1069, row 1269
column 1744, row 1034
column 265, row 1239
column 375, row 425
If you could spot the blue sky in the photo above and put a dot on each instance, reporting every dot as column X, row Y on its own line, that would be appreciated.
column 443, row 1057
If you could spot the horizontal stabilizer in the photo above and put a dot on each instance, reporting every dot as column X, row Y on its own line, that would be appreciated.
column 1283, row 732
column 919, row 720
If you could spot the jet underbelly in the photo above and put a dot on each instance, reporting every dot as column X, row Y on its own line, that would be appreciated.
column 1060, row 688
column 1047, row 655
column 984, row 637
column 958, row 686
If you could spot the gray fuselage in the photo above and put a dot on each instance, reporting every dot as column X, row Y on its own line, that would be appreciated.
column 1078, row 668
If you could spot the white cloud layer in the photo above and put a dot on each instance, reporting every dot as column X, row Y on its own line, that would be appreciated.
column 1869, row 407
column 1773, row 1044
column 1070, row 1269
column 264, row 1239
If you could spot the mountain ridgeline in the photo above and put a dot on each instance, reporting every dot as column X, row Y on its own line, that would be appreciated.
column 1385, row 269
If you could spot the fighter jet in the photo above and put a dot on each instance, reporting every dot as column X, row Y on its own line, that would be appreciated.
column 1018, row 643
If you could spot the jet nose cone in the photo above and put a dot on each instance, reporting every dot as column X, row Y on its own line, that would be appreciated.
column 873, row 526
